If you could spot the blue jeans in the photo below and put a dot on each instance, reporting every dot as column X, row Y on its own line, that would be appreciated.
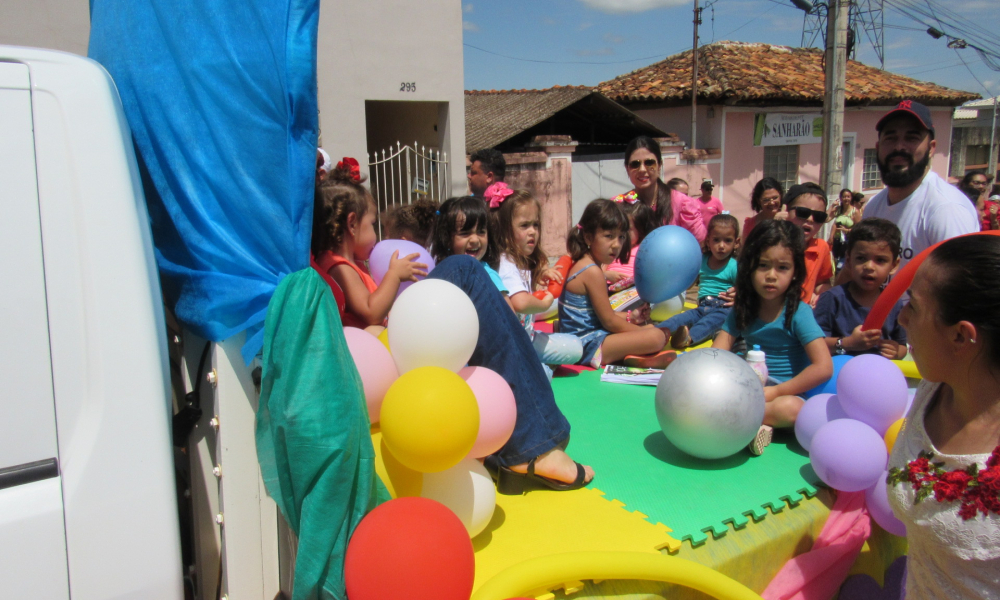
column 504, row 347
column 704, row 321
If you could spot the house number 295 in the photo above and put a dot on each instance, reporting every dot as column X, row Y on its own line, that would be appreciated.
column 408, row 86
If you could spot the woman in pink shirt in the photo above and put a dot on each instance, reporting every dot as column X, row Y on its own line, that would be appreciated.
column 643, row 162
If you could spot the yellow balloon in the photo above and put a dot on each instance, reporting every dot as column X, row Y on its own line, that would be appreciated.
column 430, row 419
column 398, row 479
column 892, row 433
column 384, row 338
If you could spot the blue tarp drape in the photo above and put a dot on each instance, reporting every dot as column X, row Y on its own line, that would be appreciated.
column 221, row 99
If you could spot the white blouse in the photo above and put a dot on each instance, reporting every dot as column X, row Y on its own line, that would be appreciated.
column 948, row 558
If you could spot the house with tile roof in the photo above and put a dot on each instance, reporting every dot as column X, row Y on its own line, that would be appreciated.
column 971, row 138
column 759, row 113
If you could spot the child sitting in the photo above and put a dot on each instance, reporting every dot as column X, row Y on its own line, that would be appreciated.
column 718, row 274
column 641, row 222
column 462, row 227
column 872, row 253
column 343, row 237
column 523, row 267
column 805, row 206
column 584, row 309
column 412, row 222
column 768, row 313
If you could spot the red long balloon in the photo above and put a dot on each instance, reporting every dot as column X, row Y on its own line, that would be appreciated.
column 555, row 287
column 900, row 283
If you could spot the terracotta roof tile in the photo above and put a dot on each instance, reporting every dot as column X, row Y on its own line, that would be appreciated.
column 745, row 73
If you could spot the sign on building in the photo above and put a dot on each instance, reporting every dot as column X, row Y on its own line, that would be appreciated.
column 787, row 129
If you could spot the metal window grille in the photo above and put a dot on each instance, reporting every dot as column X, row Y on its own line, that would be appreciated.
column 403, row 174
column 782, row 163
column 871, row 178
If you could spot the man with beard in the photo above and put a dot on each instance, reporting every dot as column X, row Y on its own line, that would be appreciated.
column 925, row 207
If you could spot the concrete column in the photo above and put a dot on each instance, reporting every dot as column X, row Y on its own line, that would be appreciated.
column 557, row 203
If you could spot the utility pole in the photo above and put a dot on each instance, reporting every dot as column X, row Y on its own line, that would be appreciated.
column 833, row 101
column 694, row 78
column 992, row 172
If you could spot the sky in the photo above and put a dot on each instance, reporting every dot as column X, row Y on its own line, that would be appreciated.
column 536, row 44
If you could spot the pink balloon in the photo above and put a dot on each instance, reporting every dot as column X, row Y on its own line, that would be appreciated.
column 497, row 409
column 375, row 365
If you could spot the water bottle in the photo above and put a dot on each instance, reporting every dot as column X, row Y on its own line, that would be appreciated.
column 755, row 358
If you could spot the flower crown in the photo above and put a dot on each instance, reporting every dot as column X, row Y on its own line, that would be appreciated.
column 496, row 194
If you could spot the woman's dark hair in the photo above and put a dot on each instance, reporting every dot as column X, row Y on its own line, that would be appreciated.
column 417, row 218
column 841, row 194
column 464, row 213
column 664, row 201
column 335, row 199
column 675, row 182
column 763, row 236
column 599, row 214
column 857, row 197
column 968, row 286
column 768, row 183
column 643, row 217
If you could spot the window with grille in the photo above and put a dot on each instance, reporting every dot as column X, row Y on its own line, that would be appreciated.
column 782, row 163
column 871, row 178
column 977, row 157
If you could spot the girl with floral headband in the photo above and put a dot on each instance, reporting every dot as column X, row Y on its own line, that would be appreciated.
column 643, row 162
column 343, row 237
column 524, row 268
column 944, row 476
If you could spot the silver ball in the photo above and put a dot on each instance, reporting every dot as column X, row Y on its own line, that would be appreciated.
column 709, row 403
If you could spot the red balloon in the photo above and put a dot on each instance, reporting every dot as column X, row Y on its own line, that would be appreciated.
column 555, row 287
column 412, row 548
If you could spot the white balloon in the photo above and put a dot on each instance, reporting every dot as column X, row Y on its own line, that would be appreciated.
column 467, row 490
column 433, row 324
column 661, row 311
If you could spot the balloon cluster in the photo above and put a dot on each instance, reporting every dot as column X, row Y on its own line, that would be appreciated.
column 381, row 255
column 850, row 434
column 436, row 415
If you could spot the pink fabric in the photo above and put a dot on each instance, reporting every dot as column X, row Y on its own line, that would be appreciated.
column 819, row 573
column 709, row 209
column 628, row 268
column 687, row 214
column 497, row 193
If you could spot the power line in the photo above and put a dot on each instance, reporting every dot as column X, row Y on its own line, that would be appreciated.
column 565, row 62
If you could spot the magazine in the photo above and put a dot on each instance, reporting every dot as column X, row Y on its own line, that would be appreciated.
column 631, row 375
column 626, row 299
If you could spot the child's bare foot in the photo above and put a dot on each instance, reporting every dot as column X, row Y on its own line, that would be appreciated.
column 660, row 360
column 680, row 339
column 557, row 466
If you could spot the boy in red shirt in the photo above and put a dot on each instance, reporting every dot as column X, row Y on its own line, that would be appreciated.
column 805, row 205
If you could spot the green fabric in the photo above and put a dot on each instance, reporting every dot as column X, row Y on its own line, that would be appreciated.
column 313, row 440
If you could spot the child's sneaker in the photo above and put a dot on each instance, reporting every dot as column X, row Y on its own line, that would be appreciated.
column 761, row 440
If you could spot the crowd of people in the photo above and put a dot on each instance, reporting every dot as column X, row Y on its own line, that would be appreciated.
column 778, row 284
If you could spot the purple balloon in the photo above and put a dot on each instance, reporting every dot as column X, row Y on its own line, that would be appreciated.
column 378, row 260
column 848, row 455
column 872, row 390
column 877, row 499
column 815, row 413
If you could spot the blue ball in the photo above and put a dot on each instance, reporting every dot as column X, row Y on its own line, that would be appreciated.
column 667, row 263
column 830, row 386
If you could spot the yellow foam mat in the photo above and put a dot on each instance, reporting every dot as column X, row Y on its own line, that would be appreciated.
column 541, row 523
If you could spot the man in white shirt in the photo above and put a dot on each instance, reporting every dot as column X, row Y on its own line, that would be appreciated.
column 925, row 207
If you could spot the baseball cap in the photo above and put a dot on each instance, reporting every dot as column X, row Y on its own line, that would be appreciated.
column 994, row 197
column 909, row 107
column 802, row 188
column 707, row 185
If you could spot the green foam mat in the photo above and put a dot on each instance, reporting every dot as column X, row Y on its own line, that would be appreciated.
column 614, row 429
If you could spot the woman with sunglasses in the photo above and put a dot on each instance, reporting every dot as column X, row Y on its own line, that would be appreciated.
column 806, row 207
column 643, row 162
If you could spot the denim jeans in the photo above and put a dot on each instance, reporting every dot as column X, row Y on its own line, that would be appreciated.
column 704, row 321
column 504, row 347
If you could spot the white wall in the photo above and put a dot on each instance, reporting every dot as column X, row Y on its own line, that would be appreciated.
column 55, row 24
column 597, row 176
column 368, row 50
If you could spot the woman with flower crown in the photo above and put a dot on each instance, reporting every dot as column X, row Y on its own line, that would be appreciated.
column 643, row 162
column 944, row 477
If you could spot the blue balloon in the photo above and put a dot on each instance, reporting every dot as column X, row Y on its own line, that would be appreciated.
column 667, row 263
column 830, row 386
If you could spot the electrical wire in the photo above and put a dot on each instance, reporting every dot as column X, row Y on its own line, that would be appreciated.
column 566, row 62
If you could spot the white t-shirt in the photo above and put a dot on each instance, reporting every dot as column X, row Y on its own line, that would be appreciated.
column 934, row 212
column 517, row 281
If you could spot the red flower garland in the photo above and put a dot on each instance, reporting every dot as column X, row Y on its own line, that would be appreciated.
column 978, row 491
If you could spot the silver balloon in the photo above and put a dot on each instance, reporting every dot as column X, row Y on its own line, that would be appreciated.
column 709, row 403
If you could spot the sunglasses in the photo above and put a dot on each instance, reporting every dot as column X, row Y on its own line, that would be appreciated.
column 804, row 213
column 649, row 163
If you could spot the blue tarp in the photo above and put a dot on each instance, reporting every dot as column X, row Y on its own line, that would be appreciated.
column 221, row 99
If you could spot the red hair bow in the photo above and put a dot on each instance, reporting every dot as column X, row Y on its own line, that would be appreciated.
column 352, row 166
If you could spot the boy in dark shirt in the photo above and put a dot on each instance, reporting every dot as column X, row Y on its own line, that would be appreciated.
column 872, row 254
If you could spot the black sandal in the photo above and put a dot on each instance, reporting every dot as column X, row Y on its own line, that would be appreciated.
column 512, row 483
